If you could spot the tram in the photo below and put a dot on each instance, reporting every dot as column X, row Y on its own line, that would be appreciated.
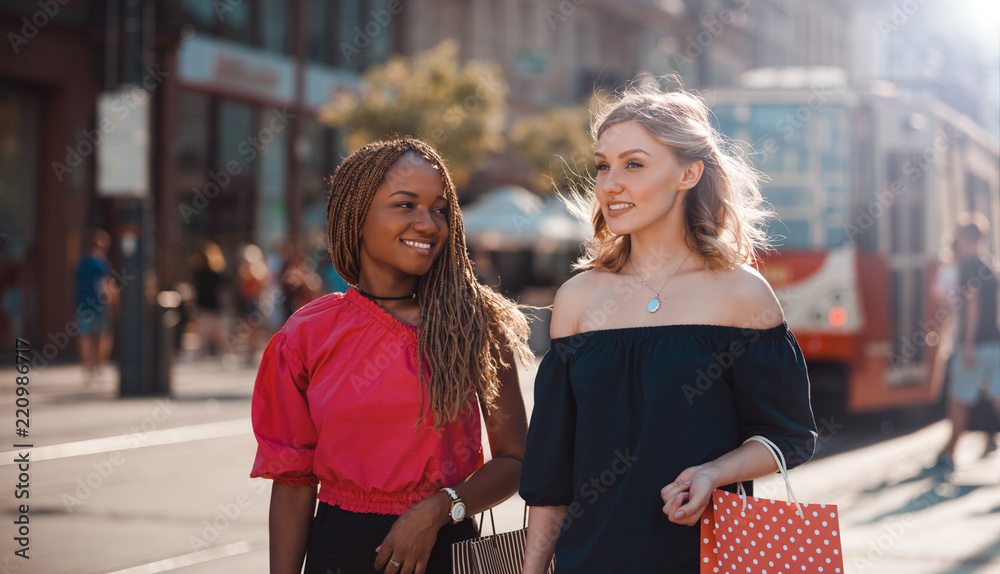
column 867, row 187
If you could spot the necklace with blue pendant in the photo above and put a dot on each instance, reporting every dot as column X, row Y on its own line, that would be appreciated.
column 654, row 303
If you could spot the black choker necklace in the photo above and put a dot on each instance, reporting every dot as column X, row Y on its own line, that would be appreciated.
column 377, row 298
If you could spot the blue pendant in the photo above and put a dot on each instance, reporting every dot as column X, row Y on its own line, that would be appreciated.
column 654, row 304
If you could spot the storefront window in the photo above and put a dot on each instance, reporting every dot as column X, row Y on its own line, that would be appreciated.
column 18, row 168
column 237, row 138
column 346, row 20
column 237, row 20
column 318, row 166
column 381, row 46
column 218, row 147
column 272, row 176
column 263, row 23
column 192, row 140
column 200, row 13
column 322, row 157
column 274, row 23
column 322, row 37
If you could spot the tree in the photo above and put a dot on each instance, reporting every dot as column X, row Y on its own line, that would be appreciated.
column 557, row 145
column 457, row 109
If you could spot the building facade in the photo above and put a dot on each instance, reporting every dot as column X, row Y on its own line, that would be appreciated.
column 236, row 154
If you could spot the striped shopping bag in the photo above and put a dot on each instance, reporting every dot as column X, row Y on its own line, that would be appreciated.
column 495, row 554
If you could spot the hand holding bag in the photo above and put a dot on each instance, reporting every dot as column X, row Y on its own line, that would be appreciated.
column 496, row 554
column 741, row 534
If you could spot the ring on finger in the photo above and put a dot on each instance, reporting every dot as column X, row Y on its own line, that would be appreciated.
column 394, row 563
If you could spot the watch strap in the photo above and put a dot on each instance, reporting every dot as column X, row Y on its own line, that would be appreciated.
column 455, row 501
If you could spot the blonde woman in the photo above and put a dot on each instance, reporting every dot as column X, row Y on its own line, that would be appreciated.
column 373, row 394
column 667, row 352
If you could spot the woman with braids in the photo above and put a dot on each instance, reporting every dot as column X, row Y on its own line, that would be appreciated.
column 372, row 394
column 667, row 353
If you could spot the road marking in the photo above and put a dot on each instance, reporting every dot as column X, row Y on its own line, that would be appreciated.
column 134, row 440
column 199, row 557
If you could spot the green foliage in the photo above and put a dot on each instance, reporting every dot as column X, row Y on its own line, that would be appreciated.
column 558, row 147
column 457, row 109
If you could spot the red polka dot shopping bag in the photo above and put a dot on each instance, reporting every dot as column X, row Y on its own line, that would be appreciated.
column 743, row 534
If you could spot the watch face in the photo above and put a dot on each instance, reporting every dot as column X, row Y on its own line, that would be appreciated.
column 458, row 512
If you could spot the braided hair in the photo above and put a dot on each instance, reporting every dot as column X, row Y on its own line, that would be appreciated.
column 464, row 325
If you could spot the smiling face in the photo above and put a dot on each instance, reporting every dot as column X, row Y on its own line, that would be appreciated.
column 640, row 181
column 406, row 227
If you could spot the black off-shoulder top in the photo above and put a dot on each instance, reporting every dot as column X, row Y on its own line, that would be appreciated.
column 620, row 413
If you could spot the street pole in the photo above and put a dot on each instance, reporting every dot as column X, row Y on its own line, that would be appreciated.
column 135, row 337
column 137, row 333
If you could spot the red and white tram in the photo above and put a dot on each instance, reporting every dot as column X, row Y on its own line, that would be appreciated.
column 866, row 187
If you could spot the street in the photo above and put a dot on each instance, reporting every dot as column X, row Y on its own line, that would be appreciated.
column 160, row 485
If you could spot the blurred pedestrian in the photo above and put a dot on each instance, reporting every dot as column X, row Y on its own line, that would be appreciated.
column 299, row 284
column 976, row 365
column 207, row 267
column 667, row 354
column 946, row 295
column 187, row 340
column 374, row 393
column 251, row 279
column 96, row 297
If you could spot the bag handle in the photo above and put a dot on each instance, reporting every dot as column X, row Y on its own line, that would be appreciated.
column 779, row 459
column 524, row 522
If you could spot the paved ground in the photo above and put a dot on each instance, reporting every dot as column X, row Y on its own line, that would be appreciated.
column 160, row 485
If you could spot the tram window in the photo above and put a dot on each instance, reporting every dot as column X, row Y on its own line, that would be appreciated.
column 908, row 229
column 897, row 220
column 794, row 157
column 908, row 292
column 834, row 162
column 835, row 237
column 834, row 219
column 790, row 233
column 836, row 195
column 977, row 194
column 906, row 210
column 917, row 236
column 787, row 196
column 896, row 283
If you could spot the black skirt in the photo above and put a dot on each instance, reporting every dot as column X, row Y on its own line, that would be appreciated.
column 342, row 542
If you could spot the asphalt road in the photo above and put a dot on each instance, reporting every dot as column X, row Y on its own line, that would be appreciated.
column 160, row 485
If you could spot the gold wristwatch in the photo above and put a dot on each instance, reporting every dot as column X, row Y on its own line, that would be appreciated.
column 457, row 512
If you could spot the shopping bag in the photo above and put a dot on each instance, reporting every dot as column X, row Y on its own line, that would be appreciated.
column 495, row 554
column 743, row 534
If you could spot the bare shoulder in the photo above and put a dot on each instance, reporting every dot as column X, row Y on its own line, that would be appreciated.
column 571, row 300
column 752, row 302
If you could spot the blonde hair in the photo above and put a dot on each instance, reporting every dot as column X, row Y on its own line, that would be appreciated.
column 464, row 325
column 723, row 212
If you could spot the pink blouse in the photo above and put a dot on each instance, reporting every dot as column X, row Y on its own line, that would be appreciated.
column 336, row 402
